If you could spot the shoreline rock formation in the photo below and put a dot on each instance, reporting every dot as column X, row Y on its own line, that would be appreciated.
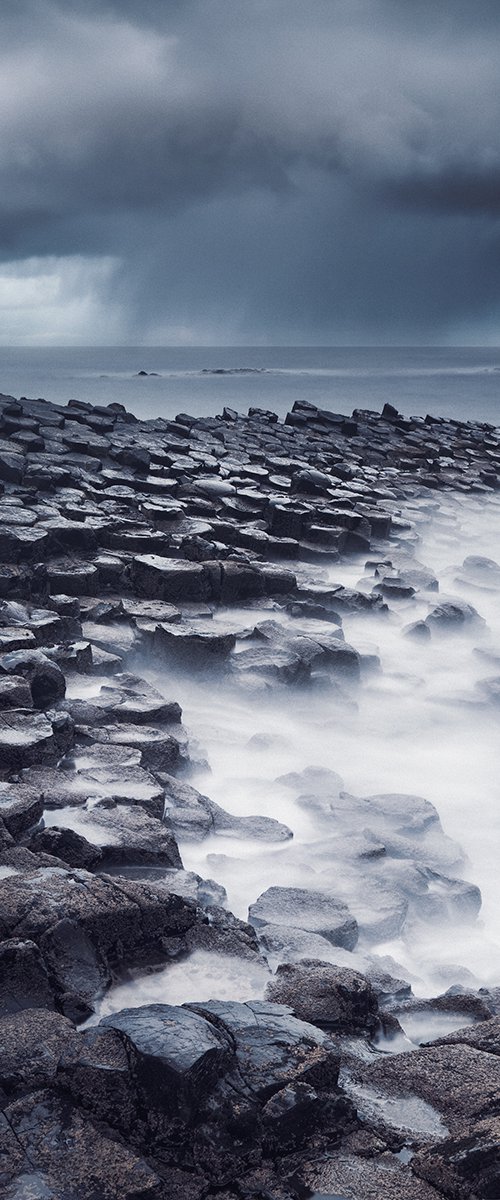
column 120, row 542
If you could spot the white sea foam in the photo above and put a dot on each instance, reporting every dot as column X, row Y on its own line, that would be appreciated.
column 421, row 727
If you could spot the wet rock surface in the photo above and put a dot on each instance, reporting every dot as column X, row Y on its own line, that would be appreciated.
column 137, row 551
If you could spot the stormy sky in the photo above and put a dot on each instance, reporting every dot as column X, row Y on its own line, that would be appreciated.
column 250, row 171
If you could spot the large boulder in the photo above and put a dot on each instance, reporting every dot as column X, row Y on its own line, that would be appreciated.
column 52, row 1147
column 170, row 579
column 177, row 1055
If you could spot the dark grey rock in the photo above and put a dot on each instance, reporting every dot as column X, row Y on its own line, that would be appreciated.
column 25, row 738
column 177, row 1055
column 24, row 980
column 190, row 645
column 15, row 692
column 45, row 678
column 67, row 845
column 452, row 614
column 333, row 997
column 89, row 920
column 32, row 1042
column 159, row 747
column 48, row 1146
column 170, row 579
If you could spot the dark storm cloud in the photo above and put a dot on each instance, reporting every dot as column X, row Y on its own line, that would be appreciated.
column 267, row 166
column 452, row 190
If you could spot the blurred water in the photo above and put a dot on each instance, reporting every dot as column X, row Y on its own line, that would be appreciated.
column 421, row 727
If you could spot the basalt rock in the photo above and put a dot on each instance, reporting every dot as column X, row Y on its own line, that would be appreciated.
column 77, row 918
column 332, row 997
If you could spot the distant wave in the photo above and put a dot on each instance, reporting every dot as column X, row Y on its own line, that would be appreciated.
column 327, row 372
column 236, row 371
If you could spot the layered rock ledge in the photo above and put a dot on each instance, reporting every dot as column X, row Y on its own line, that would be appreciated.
column 194, row 545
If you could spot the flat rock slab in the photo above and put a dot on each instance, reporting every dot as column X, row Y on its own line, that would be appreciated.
column 73, row 578
column 346, row 1177
column 159, row 748
column 260, row 828
column 463, row 1083
column 301, row 908
column 72, row 788
column 14, row 638
column 118, row 638
column 128, row 835
column 151, row 610
column 170, row 579
column 190, row 644
column 484, row 1035
column 193, row 815
column 131, row 785
column 128, row 699
column 25, row 738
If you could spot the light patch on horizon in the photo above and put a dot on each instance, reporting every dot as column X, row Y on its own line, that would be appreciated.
column 55, row 300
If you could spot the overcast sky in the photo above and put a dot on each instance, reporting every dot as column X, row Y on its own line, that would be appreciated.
column 250, row 171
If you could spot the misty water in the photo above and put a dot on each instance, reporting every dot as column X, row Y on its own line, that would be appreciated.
column 424, row 725
column 449, row 381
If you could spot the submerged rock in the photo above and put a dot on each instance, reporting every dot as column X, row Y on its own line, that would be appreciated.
column 300, row 908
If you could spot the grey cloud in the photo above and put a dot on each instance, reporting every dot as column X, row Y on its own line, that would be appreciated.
column 329, row 155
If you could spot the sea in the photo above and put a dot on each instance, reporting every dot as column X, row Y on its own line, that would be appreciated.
column 453, row 382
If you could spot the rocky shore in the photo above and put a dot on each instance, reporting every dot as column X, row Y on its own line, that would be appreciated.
column 132, row 551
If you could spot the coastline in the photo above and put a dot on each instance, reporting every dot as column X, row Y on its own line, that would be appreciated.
column 121, row 541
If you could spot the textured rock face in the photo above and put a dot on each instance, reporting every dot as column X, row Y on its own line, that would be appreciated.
column 331, row 997
column 85, row 926
column 178, row 1055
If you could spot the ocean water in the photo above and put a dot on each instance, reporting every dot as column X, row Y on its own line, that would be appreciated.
column 455, row 382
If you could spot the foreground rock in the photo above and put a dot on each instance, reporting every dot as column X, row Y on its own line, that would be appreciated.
column 85, row 926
